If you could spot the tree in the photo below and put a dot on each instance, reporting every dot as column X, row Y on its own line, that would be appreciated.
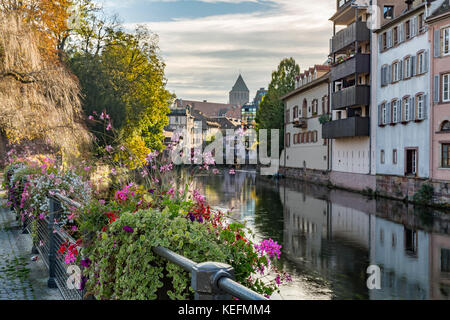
column 270, row 114
column 123, row 74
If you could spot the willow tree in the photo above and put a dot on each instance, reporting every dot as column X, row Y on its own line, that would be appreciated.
column 39, row 97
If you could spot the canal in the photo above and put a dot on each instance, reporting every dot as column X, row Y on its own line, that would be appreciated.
column 330, row 237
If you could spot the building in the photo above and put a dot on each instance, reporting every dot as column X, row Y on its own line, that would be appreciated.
column 305, row 148
column 211, row 109
column 350, row 79
column 240, row 94
column 403, row 95
column 249, row 110
column 439, row 35
column 182, row 121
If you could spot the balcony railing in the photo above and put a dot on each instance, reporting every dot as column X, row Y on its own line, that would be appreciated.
column 357, row 31
column 344, row 128
column 359, row 63
column 351, row 96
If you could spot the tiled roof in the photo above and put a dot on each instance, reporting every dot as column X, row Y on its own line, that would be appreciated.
column 444, row 8
column 211, row 109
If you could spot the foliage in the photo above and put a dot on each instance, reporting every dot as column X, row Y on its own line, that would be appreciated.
column 324, row 118
column 424, row 195
column 270, row 114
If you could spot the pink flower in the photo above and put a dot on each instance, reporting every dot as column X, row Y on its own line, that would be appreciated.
column 91, row 118
column 232, row 172
column 109, row 148
column 109, row 126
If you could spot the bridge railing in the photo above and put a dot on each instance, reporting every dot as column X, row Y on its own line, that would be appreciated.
column 210, row 280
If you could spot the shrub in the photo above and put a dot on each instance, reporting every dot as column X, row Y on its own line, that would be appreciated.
column 424, row 195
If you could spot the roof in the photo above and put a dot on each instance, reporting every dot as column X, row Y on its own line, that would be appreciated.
column 211, row 109
column 240, row 85
column 442, row 10
column 312, row 84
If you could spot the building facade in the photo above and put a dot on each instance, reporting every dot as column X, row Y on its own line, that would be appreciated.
column 240, row 94
column 304, row 146
column 439, row 34
column 403, row 95
column 350, row 86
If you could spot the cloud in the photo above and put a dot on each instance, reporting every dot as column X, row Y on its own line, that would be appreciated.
column 204, row 55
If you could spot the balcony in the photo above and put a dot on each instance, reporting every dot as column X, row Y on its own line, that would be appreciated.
column 359, row 63
column 357, row 31
column 300, row 123
column 344, row 128
column 351, row 96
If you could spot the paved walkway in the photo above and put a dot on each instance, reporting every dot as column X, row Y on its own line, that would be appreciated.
column 20, row 277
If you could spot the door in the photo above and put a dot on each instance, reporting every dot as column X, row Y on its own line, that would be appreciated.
column 411, row 162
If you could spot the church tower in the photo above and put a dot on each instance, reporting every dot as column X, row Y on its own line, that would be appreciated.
column 240, row 94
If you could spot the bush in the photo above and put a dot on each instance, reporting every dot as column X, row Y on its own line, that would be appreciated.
column 425, row 195
column 126, row 268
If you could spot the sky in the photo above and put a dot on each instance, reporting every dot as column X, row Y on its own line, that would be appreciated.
column 207, row 43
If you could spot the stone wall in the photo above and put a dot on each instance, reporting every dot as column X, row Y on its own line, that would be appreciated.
column 310, row 175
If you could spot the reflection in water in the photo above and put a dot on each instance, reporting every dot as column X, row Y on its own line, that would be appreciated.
column 330, row 237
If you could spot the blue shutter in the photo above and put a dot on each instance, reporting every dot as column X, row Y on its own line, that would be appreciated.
column 388, row 113
column 425, row 106
column 379, row 115
column 436, row 88
column 437, row 43
column 412, row 109
column 426, row 61
column 399, row 110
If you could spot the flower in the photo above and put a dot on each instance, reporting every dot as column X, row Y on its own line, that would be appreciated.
column 109, row 148
column 86, row 262
column 109, row 126
column 232, row 172
column 128, row 229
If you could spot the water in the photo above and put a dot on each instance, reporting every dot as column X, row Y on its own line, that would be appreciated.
column 331, row 237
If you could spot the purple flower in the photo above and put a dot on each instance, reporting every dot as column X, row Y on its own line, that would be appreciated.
column 86, row 262
column 200, row 219
column 84, row 279
column 191, row 216
column 128, row 229
column 151, row 191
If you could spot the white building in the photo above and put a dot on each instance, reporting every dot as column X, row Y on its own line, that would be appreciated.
column 304, row 146
column 403, row 95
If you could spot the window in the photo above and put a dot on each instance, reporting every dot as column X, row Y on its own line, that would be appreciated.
column 382, row 157
column 395, row 35
column 445, row 126
column 421, row 23
column 394, row 156
column 445, row 260
column 411, row 162
column 421, row 67
column 446, row 41
column 295, row 112
column 446, row 87
column 406, row 109
column 408, row 29
column 388, row 12
column 395, row 71
column 420, row 107
column 395, row 111
column 383, row 113
column 407, row 67
column 445, row 155
column 411, row 241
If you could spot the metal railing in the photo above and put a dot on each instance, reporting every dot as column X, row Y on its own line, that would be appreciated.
column 210, row 280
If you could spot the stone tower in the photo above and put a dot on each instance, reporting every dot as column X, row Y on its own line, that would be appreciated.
column 240, row 94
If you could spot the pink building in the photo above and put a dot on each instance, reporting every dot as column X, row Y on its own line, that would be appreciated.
column 439, row 35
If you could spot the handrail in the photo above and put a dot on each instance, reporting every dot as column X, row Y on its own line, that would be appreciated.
column 210, row 280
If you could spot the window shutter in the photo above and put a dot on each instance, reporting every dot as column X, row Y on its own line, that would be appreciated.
column 380, row 42
column 401, row 33
column 388, row 113
column 425, row 107
column 413, row 66
column 436, row 88
column 400, row 70
column 389, row 38
column 379, row 115
column 412, row 109
column 437, row 43
column 383, row 76
column 389, row 76
column 425, row 61
column 399, row 110
column 413, row 27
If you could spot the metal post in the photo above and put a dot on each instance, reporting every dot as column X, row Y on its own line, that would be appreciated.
column 205, row 278
column 55, row 207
